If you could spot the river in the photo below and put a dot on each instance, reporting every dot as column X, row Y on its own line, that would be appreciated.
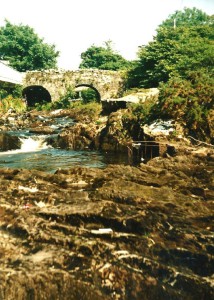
column 35, row 153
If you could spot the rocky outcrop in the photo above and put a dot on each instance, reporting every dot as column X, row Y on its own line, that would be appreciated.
column 121, row 232
column 77, row 137
column 107, row 134
column 113, row 137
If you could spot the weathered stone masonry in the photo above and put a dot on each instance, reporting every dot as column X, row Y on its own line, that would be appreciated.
column 109, row 84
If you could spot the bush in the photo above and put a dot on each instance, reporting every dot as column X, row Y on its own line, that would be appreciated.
column 10, row 90
column 139, row 112
column 86, row 112
column 48, row 106
column 9, row 102
column 187, row 101
column 89, row 95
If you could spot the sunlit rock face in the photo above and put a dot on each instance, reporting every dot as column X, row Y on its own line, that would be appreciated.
column 112, row 105
column 121, row 232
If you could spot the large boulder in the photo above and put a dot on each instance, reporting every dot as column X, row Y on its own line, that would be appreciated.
column 77, row 137
column 8, row 142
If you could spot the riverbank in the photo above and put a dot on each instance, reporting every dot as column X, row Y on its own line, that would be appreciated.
column 121, row 232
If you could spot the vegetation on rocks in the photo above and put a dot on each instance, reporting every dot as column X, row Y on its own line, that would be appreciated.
column 11, row 98
column 89, row 112
column 190, row 102
column 44, row 106
column 10, row 103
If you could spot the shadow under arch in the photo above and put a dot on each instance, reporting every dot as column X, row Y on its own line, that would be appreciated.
column 35, row 94
column 98, row 97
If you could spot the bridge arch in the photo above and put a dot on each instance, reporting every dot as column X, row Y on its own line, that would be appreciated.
column 36, row 94
column 98, row 96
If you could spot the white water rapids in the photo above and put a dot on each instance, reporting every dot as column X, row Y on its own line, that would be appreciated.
column 32, row 144
column 29, row 144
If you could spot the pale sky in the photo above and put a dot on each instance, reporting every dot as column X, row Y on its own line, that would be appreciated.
column 75, row 25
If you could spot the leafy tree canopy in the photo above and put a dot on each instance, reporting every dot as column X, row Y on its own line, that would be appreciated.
column 189, row 16
column 104, row 58
column 24, row 50
column 176, row 49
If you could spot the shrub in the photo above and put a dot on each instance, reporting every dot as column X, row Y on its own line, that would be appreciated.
column 187, row 101
column 86, row 112
column 60, row 104
column 89, row 95
column 9, row 102
column 139, row 112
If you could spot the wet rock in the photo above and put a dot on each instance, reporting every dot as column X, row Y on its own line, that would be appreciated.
column 8, row 142
column 42, row 130
column 78, row 137
column 122, row 232
column 113, row 137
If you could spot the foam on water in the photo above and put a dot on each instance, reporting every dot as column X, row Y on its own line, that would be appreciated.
column 32, row 144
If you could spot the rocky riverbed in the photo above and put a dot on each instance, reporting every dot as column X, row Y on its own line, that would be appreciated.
column 123, row 232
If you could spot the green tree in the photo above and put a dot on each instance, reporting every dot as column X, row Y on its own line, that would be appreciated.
column 187, row 17
column 179, row 46
column 104, row 58
column 24, row 50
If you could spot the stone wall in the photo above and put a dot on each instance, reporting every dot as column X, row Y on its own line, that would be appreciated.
column 109, row 84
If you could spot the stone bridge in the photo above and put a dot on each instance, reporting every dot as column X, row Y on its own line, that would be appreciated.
column 50, row 85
